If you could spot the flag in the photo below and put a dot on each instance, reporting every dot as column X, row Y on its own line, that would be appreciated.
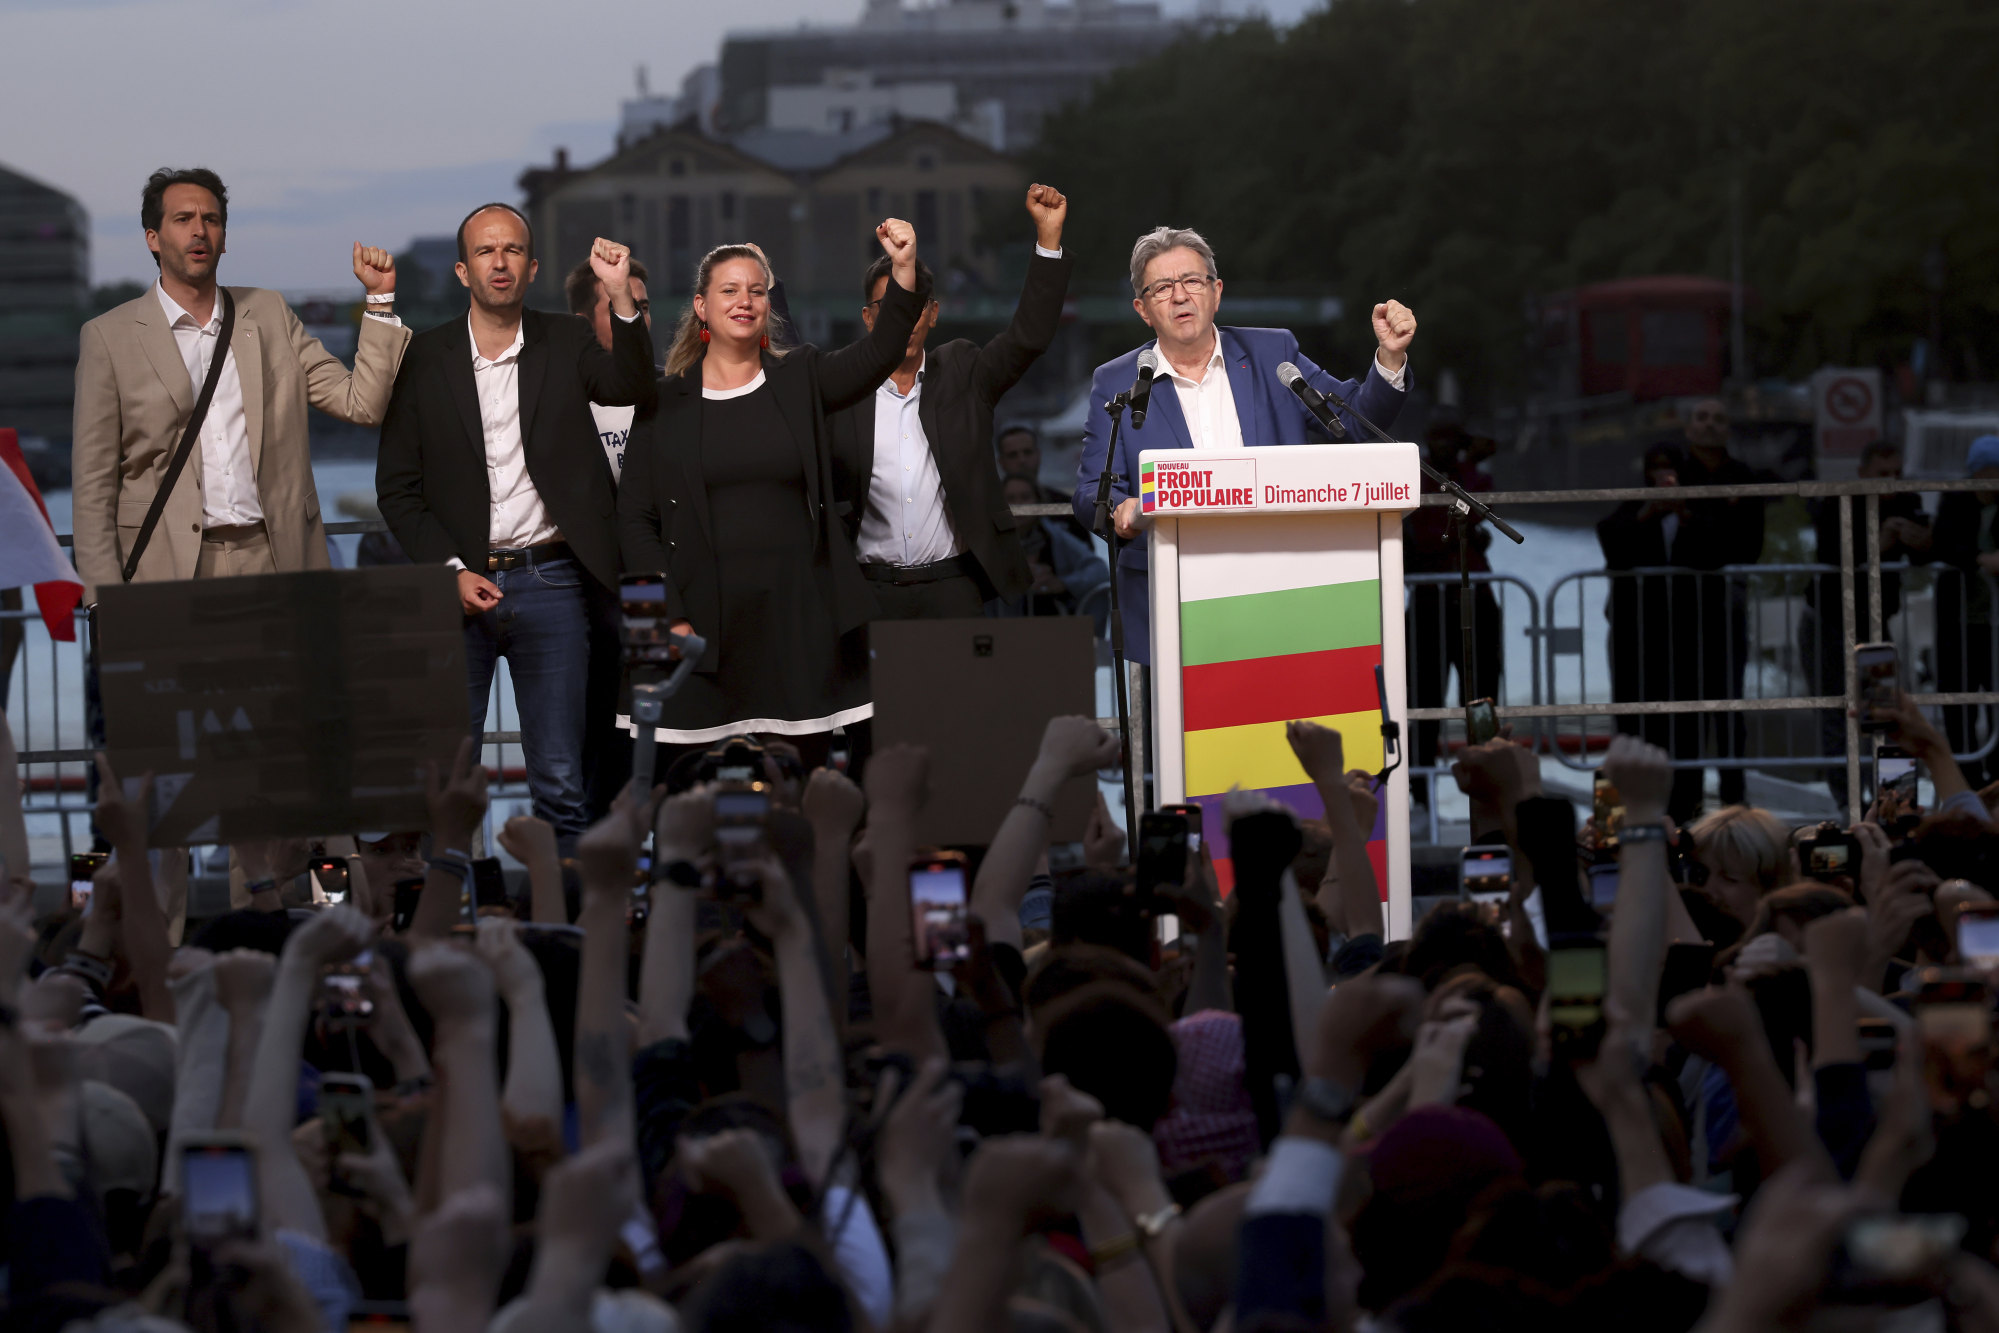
column 30, row 555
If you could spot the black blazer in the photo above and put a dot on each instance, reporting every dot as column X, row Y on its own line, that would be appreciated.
column 663, row 521
column 430, row 476
column 961, row 383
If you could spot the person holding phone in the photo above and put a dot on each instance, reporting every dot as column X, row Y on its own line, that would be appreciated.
column 729, row 491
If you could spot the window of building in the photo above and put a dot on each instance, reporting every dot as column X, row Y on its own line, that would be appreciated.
column 1674, row 337
column 874, row 202
column 926, row 220
column 676, row 167
column 728, row 205
column 926, row 162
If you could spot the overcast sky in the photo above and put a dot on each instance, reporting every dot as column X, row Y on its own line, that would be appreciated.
column 369, row 120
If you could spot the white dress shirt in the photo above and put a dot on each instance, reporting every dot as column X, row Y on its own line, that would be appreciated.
column 516, row 516
column 1208, row 403
column 228, row 479
column 906, row 522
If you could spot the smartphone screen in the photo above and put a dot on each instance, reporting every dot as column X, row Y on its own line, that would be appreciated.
column 1829, row 856
column 1607, row 811
column 344, row 991
column 1895, row 772
column 937, row 907
column 1195, row 820
column 218, row 1192
column 1485, row 874
column 1603, row 884
column 343, row 1110
column 1978, row 934
column 1163, row 838
column 1576, row 978
column 1481, row 721
column 330, row 873
column 83, row 868
column 1878, row 667
column 643, row 626
column 1167, row 927
column 1956, row 1023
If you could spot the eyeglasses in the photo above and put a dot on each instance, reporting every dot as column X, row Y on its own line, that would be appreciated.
column 1194, row 284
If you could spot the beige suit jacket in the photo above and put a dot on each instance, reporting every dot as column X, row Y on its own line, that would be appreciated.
column 133, row 398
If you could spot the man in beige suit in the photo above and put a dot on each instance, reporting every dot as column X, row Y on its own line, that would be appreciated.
column 245, row 502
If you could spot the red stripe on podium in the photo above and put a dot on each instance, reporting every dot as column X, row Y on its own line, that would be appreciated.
column 1277, row 689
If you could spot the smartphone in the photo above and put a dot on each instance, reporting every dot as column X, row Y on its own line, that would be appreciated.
column 1954, row 1014
column 643, row 621
column 1603, row 884
column 1166, row 928
column 218, row 1188
column 1895, row 773
column 346, row 1103
column 1607, row 813
column 1485, row 874
column 1893, row 1258
column 1164, row 840
column 1879, row 667
column 83, row 868
column 1195, row 821
column 1577, row 973
column 552, row 931
column 937, row 910
column 1978, row 935
column 343, row 992
column 408, row 893
column 331, row 875
column 742, row 815
column 1481, row 721
column 489, row 883
column 1829, row 854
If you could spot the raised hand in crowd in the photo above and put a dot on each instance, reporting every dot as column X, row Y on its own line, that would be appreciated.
column 1071, row 747
column 531, row 841
column 457, row 801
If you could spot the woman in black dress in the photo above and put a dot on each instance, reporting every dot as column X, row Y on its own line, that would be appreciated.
column 728, row 491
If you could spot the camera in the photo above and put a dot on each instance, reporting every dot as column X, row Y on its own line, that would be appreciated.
column 1828, row 852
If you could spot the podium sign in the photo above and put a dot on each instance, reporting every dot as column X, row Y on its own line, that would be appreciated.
column 1276, row 587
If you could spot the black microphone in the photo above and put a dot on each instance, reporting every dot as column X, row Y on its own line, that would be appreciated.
column 1315, row 402
column 1141, row 388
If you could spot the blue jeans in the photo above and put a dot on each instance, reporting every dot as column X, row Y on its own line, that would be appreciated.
column 542, row 628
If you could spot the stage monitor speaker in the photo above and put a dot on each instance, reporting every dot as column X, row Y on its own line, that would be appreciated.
column 979, row 694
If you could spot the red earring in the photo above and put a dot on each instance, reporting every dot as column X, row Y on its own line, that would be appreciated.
column 704, row 333
column 765, row 343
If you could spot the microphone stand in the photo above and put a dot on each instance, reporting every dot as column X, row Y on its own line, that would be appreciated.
column 1106, row 528
column 1465, row 510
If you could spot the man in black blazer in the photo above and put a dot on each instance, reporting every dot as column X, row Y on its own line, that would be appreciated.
column 490, row 463
column 913, row 463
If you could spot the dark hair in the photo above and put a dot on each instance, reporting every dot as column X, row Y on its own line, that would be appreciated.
column 1878, row 447
column 779, row 1285
column 1114, row 1046
column 462, row 258
column 1661, row 455
column 152, row 199
column 583, row 289
column 1093, row 908
column 884, row 267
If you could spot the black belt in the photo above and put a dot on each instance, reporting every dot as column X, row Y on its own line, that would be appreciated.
column 528, row 555
column 958, row 566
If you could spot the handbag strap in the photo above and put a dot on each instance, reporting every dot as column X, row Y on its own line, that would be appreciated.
column 187, row 436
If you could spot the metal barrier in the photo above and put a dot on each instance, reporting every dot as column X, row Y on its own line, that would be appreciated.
column 1559, row 684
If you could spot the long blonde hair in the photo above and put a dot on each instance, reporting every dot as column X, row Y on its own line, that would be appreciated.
column 688, row 349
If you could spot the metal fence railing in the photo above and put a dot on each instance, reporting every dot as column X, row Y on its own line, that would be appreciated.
column 1770, row 686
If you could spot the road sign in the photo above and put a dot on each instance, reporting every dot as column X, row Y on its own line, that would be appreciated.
column 1846, row 407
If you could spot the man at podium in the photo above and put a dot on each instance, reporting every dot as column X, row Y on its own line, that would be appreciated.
column 1224, row 392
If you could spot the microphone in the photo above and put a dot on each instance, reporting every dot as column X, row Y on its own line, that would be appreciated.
column 1141, row 388
column 1315, row 402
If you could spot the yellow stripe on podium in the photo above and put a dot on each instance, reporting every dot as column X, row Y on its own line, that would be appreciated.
column 1257, row 755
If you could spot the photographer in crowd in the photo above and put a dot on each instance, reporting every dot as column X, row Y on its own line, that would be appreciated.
column 786, row 1068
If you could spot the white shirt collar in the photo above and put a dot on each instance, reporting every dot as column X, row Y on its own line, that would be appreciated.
column 1214, row 360
column 922, row 364
column 175, row 314
column 513, row 349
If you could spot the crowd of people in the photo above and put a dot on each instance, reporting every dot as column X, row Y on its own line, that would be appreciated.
column 689, row 1080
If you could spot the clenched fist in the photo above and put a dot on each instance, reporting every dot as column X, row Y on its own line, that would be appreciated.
column 1048, row 207
column 375, row 267
column 1394, row 328
column 612, row 263
column 898, row 240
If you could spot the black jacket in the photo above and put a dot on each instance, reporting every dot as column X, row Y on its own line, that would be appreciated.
column 961, row 383
column 663, row 522
column 430, row 476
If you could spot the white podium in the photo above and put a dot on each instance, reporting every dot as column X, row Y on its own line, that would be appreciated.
column 1276, row 589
